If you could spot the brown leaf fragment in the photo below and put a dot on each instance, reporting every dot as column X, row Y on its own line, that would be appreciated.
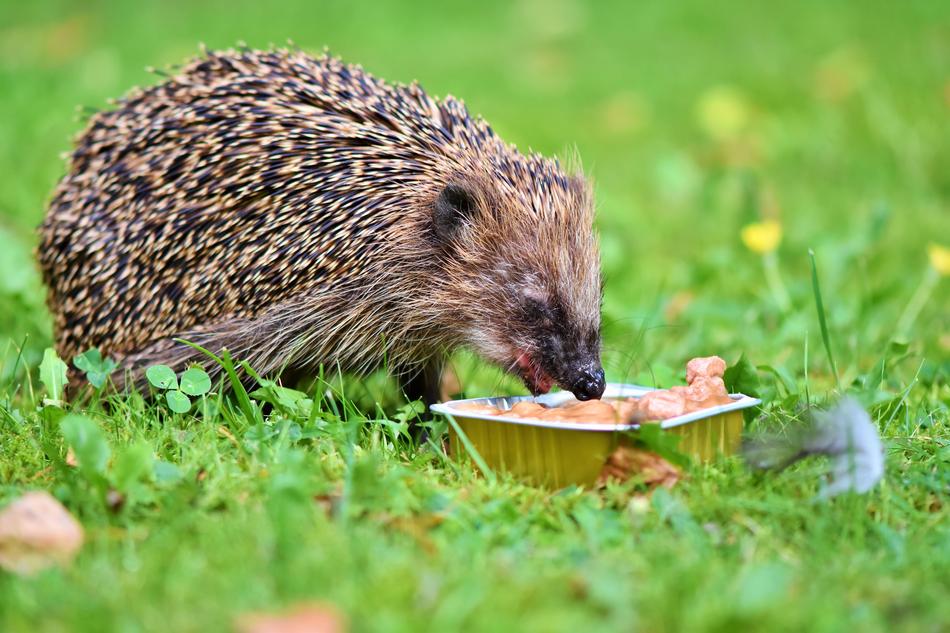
column 302, row 618
column 329, row 502
column 627, row 462
column 36, row 531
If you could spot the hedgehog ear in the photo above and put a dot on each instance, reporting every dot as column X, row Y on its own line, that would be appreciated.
column 452, row 208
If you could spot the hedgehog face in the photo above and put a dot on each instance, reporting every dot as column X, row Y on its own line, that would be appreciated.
column 553, row 343
column 527, row 265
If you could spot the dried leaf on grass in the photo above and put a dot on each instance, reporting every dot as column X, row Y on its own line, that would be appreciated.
column 36, row 531
column 304, row 618
column 415, row 526
column 628, row 461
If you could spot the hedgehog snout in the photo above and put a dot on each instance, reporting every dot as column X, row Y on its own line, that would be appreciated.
column 583, row 376
column 589, row 384
column 576, row 370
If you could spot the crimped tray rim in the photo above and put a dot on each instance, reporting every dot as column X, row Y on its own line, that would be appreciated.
column 613, row 390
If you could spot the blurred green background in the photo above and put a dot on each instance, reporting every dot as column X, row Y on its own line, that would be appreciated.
column 693, row 119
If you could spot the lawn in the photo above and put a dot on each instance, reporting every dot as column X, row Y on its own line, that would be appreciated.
column 700, row 125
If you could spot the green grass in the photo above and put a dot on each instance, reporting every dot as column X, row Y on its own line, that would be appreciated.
column 830, row 117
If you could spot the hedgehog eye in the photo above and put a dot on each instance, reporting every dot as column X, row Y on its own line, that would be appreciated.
column 453, row 207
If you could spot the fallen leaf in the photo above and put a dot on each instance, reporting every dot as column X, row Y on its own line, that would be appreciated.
column 627, row 462
column 304, row 618
column 36, row 531
column 416, row 526
column 329, row 502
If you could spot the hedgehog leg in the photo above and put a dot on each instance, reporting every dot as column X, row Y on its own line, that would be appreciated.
column 425, row 383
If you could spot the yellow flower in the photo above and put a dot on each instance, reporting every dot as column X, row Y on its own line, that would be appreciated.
column 939, row 258
column 762, row 237
column 722, row 112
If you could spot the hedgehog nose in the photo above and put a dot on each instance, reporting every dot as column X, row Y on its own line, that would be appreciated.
column 590, row 385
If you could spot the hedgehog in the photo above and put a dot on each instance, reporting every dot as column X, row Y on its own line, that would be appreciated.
column 301, row 213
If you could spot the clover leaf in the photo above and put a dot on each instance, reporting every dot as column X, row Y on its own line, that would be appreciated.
column 194, row 382
column 96, row 368
column 161, row 377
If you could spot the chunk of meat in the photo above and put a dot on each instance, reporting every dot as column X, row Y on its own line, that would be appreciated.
column 477, row 407
column 526, row 409
column 705, row 389
column 704, row 366
column 592, row 411
column 706, row 386
column 660, row 405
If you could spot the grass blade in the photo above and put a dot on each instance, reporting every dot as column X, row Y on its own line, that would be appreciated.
column 821, row 317
column 471, row 450
column 252, row 413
